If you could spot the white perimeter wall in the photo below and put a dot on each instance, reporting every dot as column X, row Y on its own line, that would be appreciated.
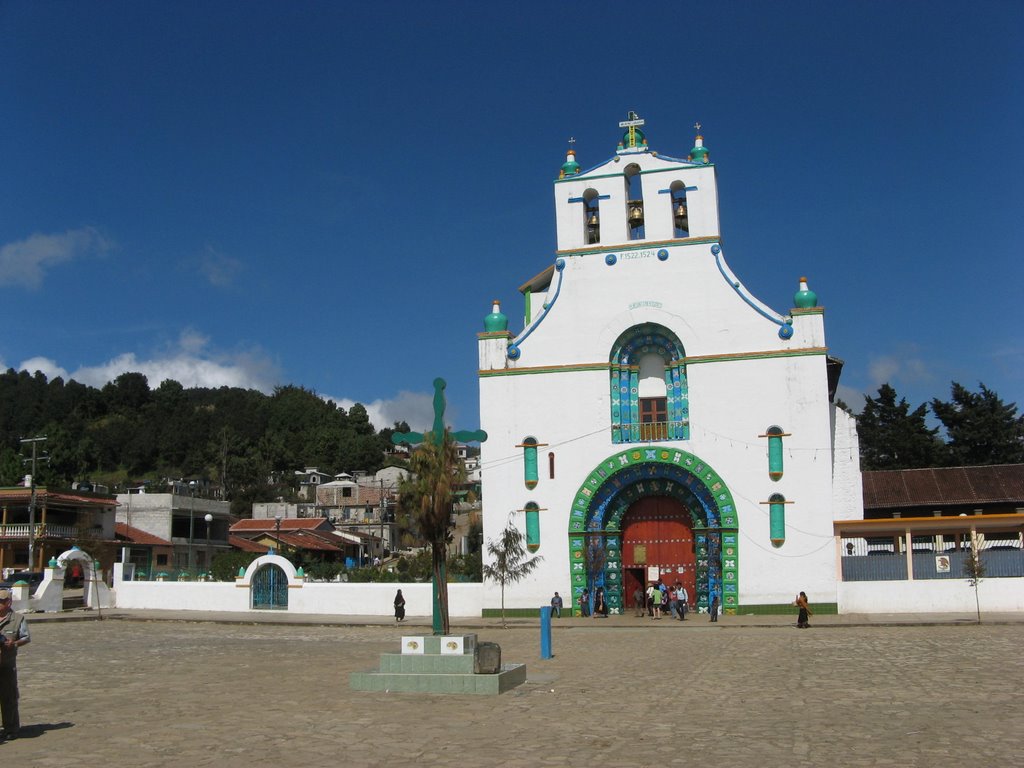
column 465, row 600
column 931, row 596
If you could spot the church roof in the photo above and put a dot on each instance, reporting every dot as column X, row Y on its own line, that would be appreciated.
column 944, row 486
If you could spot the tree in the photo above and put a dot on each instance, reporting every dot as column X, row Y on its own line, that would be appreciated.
column 509, row 563
column 974, row 570
column 437, row 470
column 894, row 437
column 980, row 428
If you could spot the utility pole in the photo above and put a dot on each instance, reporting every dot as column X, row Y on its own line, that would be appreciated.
column 32, row 498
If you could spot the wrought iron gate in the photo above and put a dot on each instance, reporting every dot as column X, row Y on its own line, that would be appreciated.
column 270, row 588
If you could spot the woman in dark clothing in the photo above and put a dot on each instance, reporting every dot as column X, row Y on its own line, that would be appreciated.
column 600, row 606
column 399, row 606
column 805, row 611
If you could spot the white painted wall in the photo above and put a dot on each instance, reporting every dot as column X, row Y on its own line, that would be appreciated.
column 311, row 598
column 931, row 596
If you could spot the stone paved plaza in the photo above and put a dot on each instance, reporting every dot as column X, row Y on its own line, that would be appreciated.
column 617, row 693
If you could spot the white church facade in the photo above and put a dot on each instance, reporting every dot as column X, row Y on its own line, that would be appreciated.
column 655, row 420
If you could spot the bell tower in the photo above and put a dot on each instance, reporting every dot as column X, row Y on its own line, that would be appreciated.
column 636, row 196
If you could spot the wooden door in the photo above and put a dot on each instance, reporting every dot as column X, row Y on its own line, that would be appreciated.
column 656, row 531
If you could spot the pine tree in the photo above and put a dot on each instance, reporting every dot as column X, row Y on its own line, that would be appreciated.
column 980, row 428
column 894, row 437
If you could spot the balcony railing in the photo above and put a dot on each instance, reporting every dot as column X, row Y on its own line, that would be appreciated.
column 650, row 432
column 20, row 531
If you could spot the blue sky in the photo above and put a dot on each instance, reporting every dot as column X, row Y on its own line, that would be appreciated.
column 331, row 194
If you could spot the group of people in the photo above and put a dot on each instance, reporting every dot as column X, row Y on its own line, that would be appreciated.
column 672, row 601
column 659, row 600
column 600, row 604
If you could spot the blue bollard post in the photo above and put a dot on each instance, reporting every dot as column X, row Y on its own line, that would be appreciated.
column 545, row 632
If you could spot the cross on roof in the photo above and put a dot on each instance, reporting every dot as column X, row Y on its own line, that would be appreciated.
column 572, row 140
column 697, row 126
column 436, row 433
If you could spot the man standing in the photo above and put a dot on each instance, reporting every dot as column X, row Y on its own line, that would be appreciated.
column 639, row 600
column 684, row 600
column 13, row 635
column 556, row 606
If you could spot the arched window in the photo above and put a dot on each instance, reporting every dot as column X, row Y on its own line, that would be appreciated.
column 591, row 217
column 680, row 211
column 634, row 202
column 649, row 395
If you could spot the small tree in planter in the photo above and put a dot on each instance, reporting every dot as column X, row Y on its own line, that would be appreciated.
column 509, row 562
column 974, row 570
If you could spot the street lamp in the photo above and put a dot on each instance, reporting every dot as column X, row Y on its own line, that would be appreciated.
column 191, row 524
column 277, row 530
column 209, row 560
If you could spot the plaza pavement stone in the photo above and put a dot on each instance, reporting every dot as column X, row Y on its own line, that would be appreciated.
column 748, row 692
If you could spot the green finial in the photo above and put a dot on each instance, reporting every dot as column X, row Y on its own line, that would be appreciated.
column 496, row 321
column 805, row 298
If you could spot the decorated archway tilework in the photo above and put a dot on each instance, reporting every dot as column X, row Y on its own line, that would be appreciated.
column 595, row 535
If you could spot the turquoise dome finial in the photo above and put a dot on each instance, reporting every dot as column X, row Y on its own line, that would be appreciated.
column 570, row 167
column 699, row 153
column 496, row 321
column 805, row 298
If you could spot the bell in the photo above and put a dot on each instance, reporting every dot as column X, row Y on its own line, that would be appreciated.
column 592, row 221
column 681, row 216
column 636, row 214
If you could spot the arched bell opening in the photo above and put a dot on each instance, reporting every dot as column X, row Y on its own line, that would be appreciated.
column 634, row 202
column 591, row 217
column 680, row 210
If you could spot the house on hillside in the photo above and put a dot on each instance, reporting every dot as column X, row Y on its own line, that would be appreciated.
column 196, row 527
column 59, row 521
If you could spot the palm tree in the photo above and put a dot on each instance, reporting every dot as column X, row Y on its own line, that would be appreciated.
column 437, row 470
column 509, row 563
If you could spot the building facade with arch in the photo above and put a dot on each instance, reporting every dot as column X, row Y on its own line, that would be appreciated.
column 653, row 419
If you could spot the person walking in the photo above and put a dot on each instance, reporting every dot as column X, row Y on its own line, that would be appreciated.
column 399, row 606
column 556, row 606
column 639, row 600
column 673, row 602
column 600, row 606
column 713, row 610
column 804, row 611
column 585, row 603
column 683, row 599
column 13, row 635
column 656, row 600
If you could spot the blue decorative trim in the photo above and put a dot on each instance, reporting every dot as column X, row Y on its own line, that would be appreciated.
column 663, row 254
column 669, row 191
column 786, row 331
column 610, row 259
column 779, row 320
column 514, row 351
column 580, row 199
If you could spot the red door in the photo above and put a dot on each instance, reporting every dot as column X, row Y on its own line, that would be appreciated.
column 656, row 531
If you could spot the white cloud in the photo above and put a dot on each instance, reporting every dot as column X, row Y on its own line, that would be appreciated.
column 218, row 268
column 187, row 363
column 414, row 408
column 26, row 261
column 899, row 369
column 45, row 365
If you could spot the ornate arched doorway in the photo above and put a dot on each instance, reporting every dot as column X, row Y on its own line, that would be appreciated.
column 671, row 505
column 658, row 543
